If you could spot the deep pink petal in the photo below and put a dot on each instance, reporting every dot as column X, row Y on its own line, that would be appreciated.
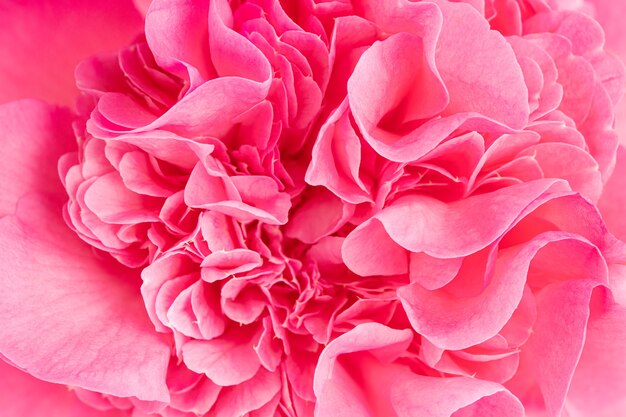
column 336, row 158
column 209, row 110
column 109, row 199
column 69, row 317
column 42, row 41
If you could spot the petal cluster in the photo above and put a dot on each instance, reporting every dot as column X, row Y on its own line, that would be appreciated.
column 319, row 208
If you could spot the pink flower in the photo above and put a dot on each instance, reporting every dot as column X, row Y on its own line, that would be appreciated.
column 312, row 208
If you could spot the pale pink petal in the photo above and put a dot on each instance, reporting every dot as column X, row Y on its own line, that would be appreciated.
column 70, row 317
column 22, row 395
column 611, row 17
column 71, row 31
column 599, row 381
column 34, row 136
column 613, row 200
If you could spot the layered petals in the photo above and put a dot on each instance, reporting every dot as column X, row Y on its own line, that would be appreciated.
column 312, row 208
column 359, row 374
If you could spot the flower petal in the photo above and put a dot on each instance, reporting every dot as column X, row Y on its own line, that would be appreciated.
column 423, row 224
column 69, row 317
column 599, row 381
column 356, row 377
column 227, row 360
column 453, row 323
column 42, row 41
column 34, row 136
column 613, row 199
column 551, row 355
column 612, row 18
column 23, row 395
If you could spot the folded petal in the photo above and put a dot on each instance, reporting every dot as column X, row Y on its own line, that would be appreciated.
column 452, row 322
column 227, row 360
column 70, row 317
column 466, row 50
column 42, row 41
column 249, row 396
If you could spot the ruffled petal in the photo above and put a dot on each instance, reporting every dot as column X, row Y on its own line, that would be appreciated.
column 356, row 376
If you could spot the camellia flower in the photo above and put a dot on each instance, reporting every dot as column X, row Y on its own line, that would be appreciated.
column 311, row 208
